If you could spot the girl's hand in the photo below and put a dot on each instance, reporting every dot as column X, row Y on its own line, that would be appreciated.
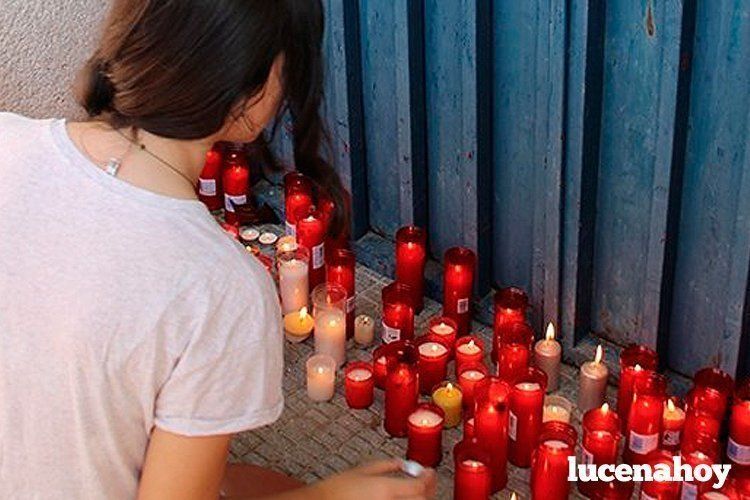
column 375, row 481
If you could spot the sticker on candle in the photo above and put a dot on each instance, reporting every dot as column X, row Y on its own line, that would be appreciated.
column 390, row 334
column 231, row 200
column 207, row 187
column 738, row 453
column 512, row 425
column 318, row 254
column 462, row 306
column 350, row 303
column 643, row 443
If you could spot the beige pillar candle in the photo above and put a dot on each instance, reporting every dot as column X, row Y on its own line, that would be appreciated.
column 364, row 330
column 547, row 354
column 557, row 409
column 321, row 377
column 593, row 383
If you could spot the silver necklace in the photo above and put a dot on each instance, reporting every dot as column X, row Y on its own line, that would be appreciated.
column 113, row 165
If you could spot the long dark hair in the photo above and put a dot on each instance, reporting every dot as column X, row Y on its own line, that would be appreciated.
column 177, row 69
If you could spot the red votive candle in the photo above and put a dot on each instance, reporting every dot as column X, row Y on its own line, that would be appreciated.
column 510, row 305
column 491, row 425
column 525, row 415
column 469, row 350
column 332, row 243
column 699, row 422
column 672, row 423
column 444, row 329
column 432, row 363
column 411, row 254
column 721, row 382
column 634, row 360
column 209, row 182
column 473, row 473
column 359, row 384
column 340, row 270
column 549, row 464
column 398, row 312
column 514, row 350
column 401, row 387
column 738, row 444
column 701, row 450
column 380, row 365
column 660, row 490
column 311, row 234
column 468, row 428
column 469, row 375
column 236, row 182
column 297, row 196
column 458, row 282
column 615, row 490
column 601, row 441
column 644, row 422
column 425, row 435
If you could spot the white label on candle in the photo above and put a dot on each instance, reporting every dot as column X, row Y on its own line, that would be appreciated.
column 350, row 303
column 714, row 495
column 207, row 187
column 512, row 425
column 318, row 256
column 643, row 443
column 462, row 306
column 390, row 334
column 586, row 456
column 291, row 229
column 671, row 438
column 738, row 453
column 230, row 201
column 689, row 491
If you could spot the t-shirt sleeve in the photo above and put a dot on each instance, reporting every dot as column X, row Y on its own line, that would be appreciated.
column 228, row 378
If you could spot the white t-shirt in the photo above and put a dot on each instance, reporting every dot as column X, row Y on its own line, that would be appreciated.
column 120, row 310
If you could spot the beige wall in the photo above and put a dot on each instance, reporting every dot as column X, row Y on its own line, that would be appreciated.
column 43, row 43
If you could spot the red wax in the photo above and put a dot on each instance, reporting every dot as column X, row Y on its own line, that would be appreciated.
column 514, row 350
column 398, row 312
column 311, row 234
column 401, row 387
column 702, row 450
column 510, row 306
column 721, row 382
column 468, row 428
column 297, row 196
column 673, row 421
column 549, row 465
column 698, row 422
column 491, row 425
column 236, row 182
column 209, row 182
column 332, row 242
column 615, row 490
column 473, row 473
column 469, row 375
column 706, row 400
column 738, row 445
column 645, row 419
column 469, row 350
column 380, row 365
column 339, row 267
column 432, row 363
column 425, row 435
column 411, row 254
column 359, row 384
column 600, row 443
column 634, row 360
column 525, row 415
column 661, row 490
column 444, row 329
column 458, row 282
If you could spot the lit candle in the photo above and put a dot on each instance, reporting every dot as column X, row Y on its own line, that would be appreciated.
column 286, row 243
column 359, row 385
column 701, row 451
column 514, row 351
column 557, row 409
column 248, row 235
column 510, row 305
column 209, row 183
column 425, row 431
column 468, row 428
column 432, row 364
column 330, row 321
column 364, row 330
column 448, row 397
column 297, row 196
column 491, row 425
column 469, row 350
column 660, row 490
column 340, row 270
column 473, row 475
column 311, row 235
column 293, row 279
column 401, row 387
column 525, row 415
column 298, row 325
column 321, row 377
column 549, row 468
column 673, row 419
column 645, row 418
column 398, row 313
column 236, row 181
column 738, row 444
column 719, row 381
column 547, row 355
column 601, row 441
column 469, row 374
column 635, row 361
column 444, row 331
column 458, row 283
column 593, row 382
column 411, row 254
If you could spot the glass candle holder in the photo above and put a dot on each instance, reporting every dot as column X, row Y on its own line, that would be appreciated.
column 698, row 422
column 601, row 442
column 702, row 449
column 401, row 386
column 491, row 397
column 432, row 363
column 469, row 350
column 549, row 465
column 721, row 382
column 469, row 375
column 297, row 196
column 359, row 384
column 662, row 490
column 321, row 377
column 514, row 350
column 311, row 235
column 443, row 329
column 738, row 444
column 293, row 270
column 510, row 305
column 411, row 255
column 329, row 302
column 380, row 365
column 458, row 284
column 398, row 312
column 557, row 409
column 634, row 360
column 473, row 471
column 425, row 435
column 468, row 431
column 235, row 181
column 210, row 191
column 340, row 267
column 525, row 414
column 645, row 418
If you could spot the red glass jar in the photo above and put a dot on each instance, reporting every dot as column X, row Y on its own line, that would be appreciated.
column 510, row 305
column 615, row 490
column 738, row 444
column 702, row 449
column 469, row 350
column 411, row 255
column 425, row 435
column 661, row 490
column 432, row 363
column 634, row 361
column 359, row 384
column 473, row 472
column 311, row 235
column 398, row 312
column 469, row 375
column 401, row 387
column 514, row 350
column 645, row 418
column 721, row 382
column 340, row 268
column 235, row 181
column 525, row 414
column 699, row 422
column 380, row 365
column 458, row 285
column 491, row 397
column 443, row 329
column 549, row 464
column 468, row 428
column 332, row 242
column 298, row 196
column 600, row 443
column 210, row 191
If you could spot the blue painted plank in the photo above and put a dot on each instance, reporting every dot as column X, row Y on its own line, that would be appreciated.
column 640, row 80
column 714, row 235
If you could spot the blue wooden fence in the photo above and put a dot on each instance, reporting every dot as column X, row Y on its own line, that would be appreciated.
column 595, row 153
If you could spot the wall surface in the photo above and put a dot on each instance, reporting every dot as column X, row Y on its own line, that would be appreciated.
column 44, row 43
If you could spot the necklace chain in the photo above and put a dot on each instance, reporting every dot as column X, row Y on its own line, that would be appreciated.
column 153, row 155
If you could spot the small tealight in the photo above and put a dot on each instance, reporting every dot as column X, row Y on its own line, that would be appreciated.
column 249, row 234
column 268, row 238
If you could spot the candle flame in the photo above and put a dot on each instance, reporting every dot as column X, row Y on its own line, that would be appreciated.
column 599, row 354
column 471, row 344
column 332, row 323
column 434, row 347
column 605, row 408
column 670, row 405
column 513, row 496
column 637, row 368
column 449, row 387
column 550, row 335
column 303, row 313
column 320, row 369
column 423, row 422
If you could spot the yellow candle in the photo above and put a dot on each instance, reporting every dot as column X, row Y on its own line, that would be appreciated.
column 298, row 325
column 448, row 397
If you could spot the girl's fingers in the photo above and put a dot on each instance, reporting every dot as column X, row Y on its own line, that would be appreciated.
column 380, row 467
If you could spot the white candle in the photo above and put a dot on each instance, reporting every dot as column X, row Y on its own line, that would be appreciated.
column 554, row 413
column 593, row 383
column 321, row 377
column 432, row 349
column 547, row 354
column 293, row 284
column 364, row 330
column 425, row 418
column 442, row 329
column 359, row 374
column 468, row 348
column 330, row 334
column 472, row 375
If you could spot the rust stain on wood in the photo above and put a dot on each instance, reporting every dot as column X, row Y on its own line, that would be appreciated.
column 650, row 25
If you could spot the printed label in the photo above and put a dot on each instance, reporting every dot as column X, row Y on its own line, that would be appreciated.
column 207, row 187
column 643, row 443
column 390, row 334
column 671, row 438
column 291, row 229
column 230, row 201
column 689, row 491
column 587, row 458
column 512, row 425
column 318, row 256
column 463, row 306
column 738, row 453
column 350, row 303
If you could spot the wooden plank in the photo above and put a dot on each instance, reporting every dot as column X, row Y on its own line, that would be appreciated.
column 714, row 236
column 640, row 80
